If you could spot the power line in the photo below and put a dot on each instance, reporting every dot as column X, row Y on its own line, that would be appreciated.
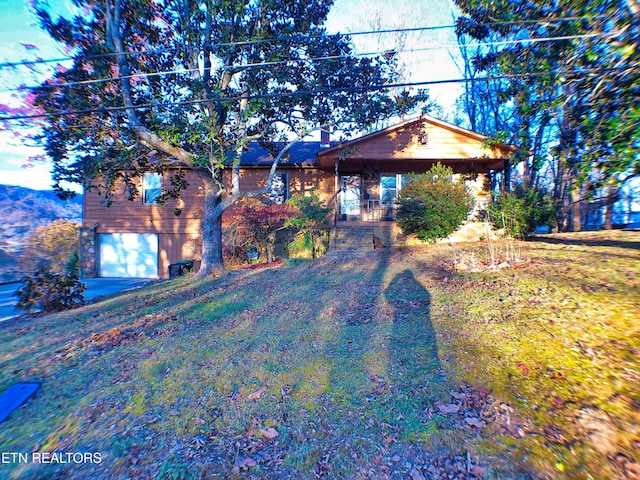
column 226, row 44
column 279, row 39
column 582, row 73
column 328, row 57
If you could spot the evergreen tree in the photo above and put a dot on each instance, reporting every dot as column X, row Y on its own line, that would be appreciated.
column 572, row 79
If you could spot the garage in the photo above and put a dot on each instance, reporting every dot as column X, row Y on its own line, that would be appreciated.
column 131, row 255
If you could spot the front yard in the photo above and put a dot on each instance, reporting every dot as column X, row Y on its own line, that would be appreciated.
column 388, row 365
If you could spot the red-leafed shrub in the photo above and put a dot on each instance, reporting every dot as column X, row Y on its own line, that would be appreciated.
column 250, row 229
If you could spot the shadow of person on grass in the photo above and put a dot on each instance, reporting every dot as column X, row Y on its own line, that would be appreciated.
column 413, row 344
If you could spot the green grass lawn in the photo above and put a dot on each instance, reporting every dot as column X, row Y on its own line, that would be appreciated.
column 389, row 365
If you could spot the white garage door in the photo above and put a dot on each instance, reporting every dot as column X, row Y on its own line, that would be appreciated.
column 133, row 255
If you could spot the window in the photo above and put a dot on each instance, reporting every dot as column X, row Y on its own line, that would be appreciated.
column 151, row 188
column 279, row 188
column 390, row 186
column 388, row 189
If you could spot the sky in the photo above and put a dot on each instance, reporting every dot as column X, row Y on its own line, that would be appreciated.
column 18, row 27
column 19, row 31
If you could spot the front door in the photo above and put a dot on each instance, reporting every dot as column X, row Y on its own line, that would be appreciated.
column 351, row 193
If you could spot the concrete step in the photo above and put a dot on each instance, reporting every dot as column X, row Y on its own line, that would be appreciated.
column 351, row 238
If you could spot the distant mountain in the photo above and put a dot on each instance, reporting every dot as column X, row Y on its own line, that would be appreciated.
column 23, row 210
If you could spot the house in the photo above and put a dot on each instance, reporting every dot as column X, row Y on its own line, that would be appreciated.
column 359, row 179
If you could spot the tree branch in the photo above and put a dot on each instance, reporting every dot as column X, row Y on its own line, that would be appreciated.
column 237, row 195
column 145, row 136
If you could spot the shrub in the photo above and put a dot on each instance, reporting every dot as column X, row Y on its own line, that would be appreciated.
column 433, row 206
column 51, row 291
column 539, row 208
column 51, row 246
column 311, row 219
column 508, row 212
column 522, row 211
column 253, row 225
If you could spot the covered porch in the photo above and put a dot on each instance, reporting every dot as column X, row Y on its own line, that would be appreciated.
column 372, row 198
column 371, row 171
column 366, row 197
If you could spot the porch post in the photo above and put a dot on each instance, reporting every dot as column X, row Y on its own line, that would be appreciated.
column 336, row 186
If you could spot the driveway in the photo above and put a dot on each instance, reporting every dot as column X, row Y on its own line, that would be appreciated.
column 96, row 287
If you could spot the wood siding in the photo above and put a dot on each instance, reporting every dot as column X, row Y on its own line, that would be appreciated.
column 301, row 180
column 124, row 216
column 443, row 142
column 173, row 247
column 413, row 146
column 179, row 237
column 404, row 145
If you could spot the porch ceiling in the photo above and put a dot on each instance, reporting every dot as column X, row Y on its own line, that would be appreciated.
column 402, row 164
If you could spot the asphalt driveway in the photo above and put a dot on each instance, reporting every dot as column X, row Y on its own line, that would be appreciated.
column 96, row 287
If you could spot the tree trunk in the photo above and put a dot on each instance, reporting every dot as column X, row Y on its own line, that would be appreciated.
column 211, row 229
column 611, row 198
column 561, row 197
column 506, row 179
column 576, row 211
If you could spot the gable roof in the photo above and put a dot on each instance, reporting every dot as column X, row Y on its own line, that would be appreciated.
column 448, row 142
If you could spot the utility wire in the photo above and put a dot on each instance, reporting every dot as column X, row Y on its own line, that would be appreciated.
column 312, row 59
column 280, row 39
column 583, row 74
column 225, row 44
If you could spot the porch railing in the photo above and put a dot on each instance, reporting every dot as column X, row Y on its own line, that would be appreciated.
column 373, row 211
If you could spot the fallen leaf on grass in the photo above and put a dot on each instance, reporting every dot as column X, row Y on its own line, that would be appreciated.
column 257, row 394
column 417, row 474
column 200, row 441
column 322, row 466
column 458, row 396
column 477, row 471
column 243, row 463
column 523, row 368
column 285, row 391
column 269, row 433
column 449, row 408
column 389, row 439
column 474, row 422
column 555, row 375
column 554, row 434
column 262, row 456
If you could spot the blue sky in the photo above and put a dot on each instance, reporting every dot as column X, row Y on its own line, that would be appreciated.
column 18, row 27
